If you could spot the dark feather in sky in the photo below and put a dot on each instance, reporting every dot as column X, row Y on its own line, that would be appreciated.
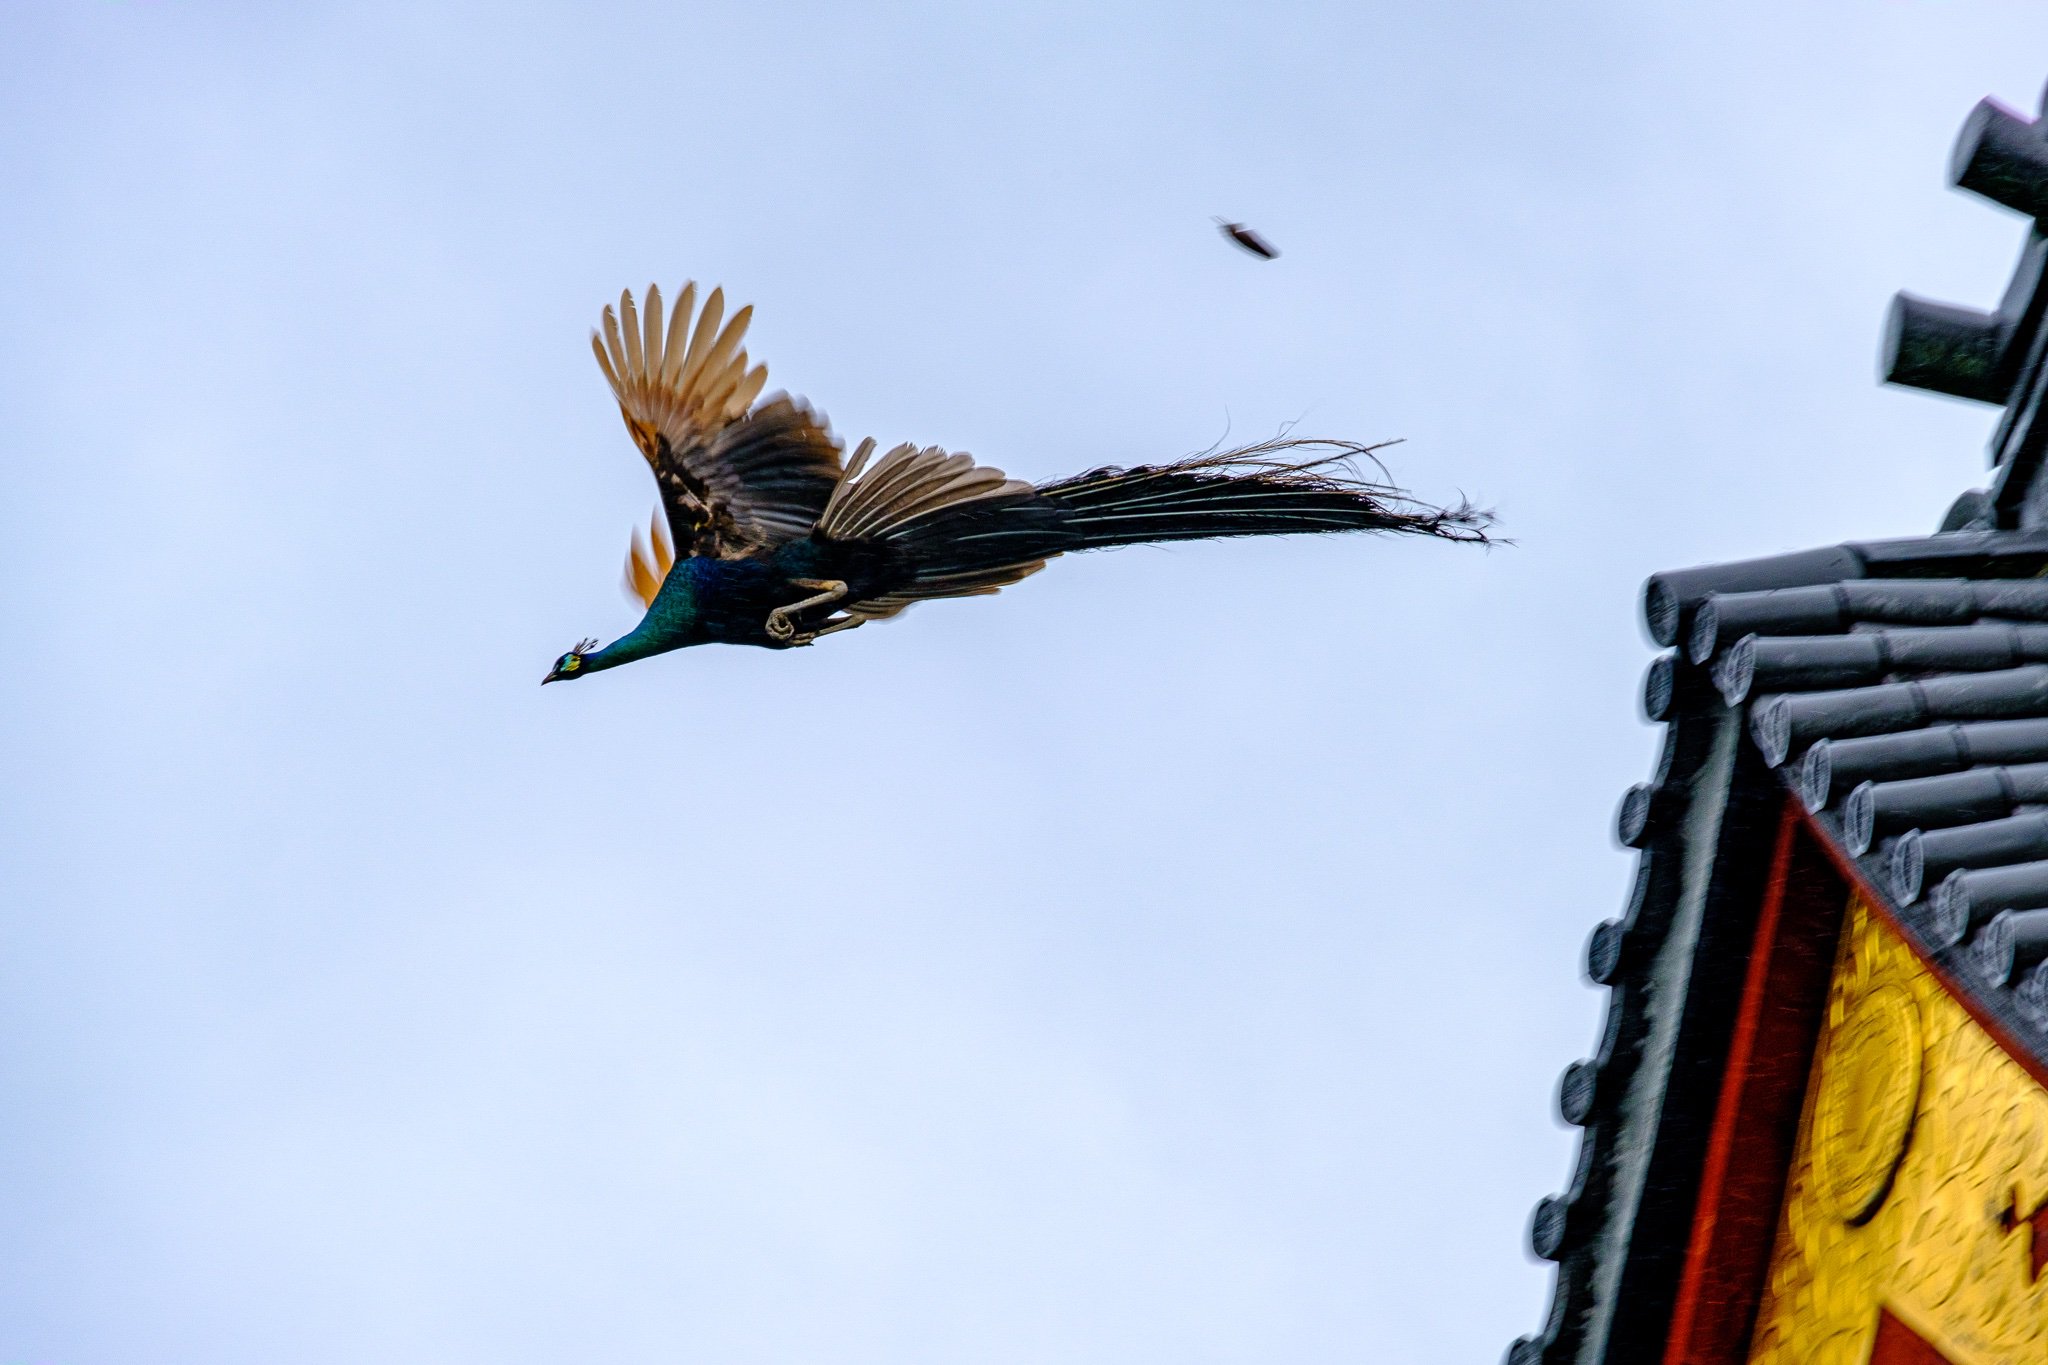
column 1249, row 240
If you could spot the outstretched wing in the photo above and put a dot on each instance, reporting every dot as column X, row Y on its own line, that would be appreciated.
column 966, row 530
column 735, row 480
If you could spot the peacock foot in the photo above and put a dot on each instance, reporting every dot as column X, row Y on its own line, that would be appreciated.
column 783, row 630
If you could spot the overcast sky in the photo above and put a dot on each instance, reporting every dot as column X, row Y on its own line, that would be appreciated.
column 1169, row 961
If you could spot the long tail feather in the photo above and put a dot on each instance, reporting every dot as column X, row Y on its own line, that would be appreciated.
column 964, row 530
column 1265, row 489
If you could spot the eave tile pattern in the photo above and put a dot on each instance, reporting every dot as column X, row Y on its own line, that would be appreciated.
column 1900, row 688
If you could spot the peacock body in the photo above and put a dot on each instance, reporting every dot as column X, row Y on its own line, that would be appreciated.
column 765, row 537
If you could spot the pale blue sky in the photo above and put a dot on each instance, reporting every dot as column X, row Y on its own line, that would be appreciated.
column 1169, row 961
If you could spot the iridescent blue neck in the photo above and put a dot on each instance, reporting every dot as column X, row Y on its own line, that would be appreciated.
column 637, row 643
column 669, row 624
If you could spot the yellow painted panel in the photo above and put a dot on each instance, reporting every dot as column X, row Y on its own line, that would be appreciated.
column 1922, row 1155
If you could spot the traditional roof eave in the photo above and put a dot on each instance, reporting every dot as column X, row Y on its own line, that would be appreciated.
column 1809, row 635
column 1838, row 668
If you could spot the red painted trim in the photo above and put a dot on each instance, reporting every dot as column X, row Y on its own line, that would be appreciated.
column 1756, row 1115
column 1763, row 1089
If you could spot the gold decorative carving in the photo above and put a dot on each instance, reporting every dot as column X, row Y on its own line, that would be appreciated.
column 1922, row 1154
column 1868, row 1094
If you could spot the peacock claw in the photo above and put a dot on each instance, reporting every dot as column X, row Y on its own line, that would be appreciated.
column 782, row 630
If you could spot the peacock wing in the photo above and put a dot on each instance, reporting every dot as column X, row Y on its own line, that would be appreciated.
column 647, row 564
column 736, row 479
column 964, row 529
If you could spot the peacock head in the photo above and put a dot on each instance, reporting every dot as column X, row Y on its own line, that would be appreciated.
column 570, row 665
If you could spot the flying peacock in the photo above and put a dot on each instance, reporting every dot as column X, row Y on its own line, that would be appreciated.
column 764, row 538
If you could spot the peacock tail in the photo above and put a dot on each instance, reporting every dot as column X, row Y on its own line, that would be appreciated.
column 965, row 529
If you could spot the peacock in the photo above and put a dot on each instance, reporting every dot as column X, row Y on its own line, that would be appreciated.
column 764, row 537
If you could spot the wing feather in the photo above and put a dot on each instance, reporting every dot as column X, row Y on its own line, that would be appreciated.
column 635, row 358
column 891, row 500
column 700, row 340
column 648, row 562
column 650, row 345
column 664, row 545
column 749, row 388
column 738, row 476
column 908, row 483
column 678, row 334
column 639, row 581
column 714, row 365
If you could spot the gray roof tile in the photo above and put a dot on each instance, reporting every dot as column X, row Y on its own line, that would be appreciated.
column 1900, row 688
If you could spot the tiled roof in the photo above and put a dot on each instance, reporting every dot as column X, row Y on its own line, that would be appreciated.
column 1916, row 729
column 1900, row 689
